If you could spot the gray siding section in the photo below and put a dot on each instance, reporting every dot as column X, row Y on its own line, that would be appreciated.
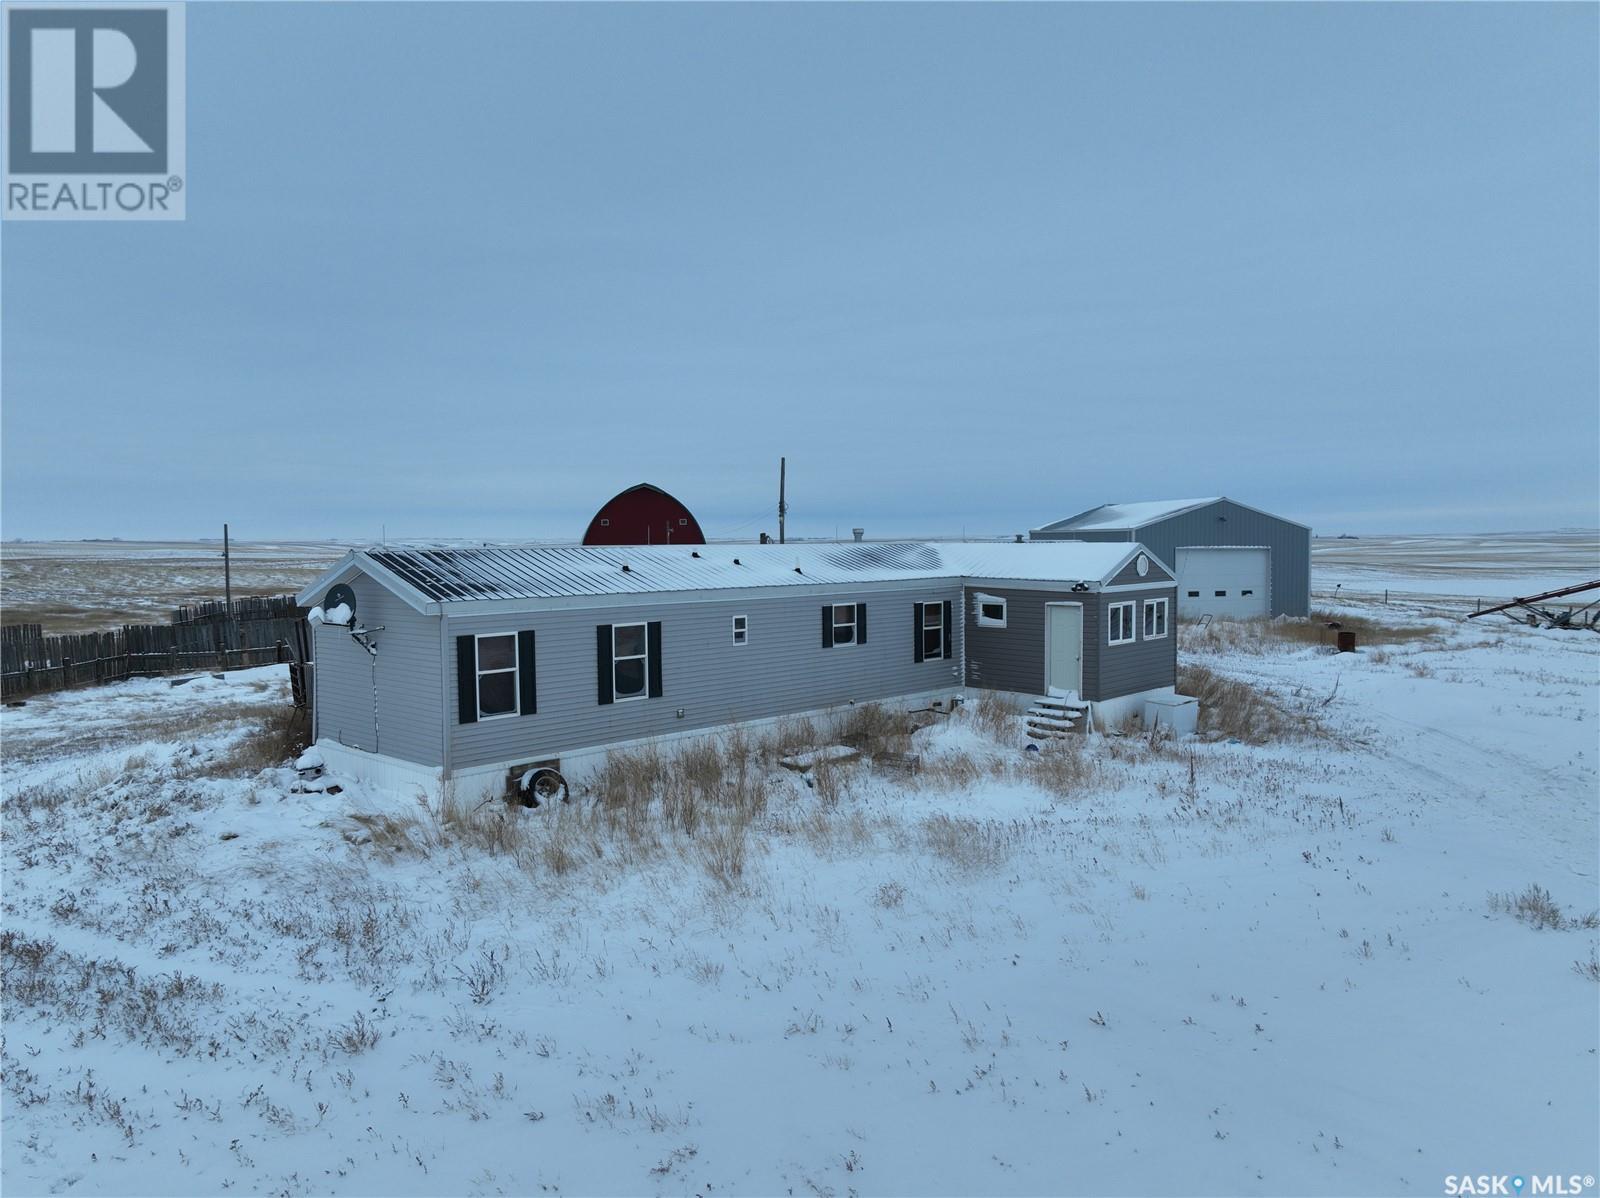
column 1012, row 658
column 1129, row 574
column 407, row 721
column 782, row 669
column 1290, row 545
column 1140, row 665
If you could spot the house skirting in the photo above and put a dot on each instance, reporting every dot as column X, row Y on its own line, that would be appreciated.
column 577, row 765
column 378, row 770
column 580, row 765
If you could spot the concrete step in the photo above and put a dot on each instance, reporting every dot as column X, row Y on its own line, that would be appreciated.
column 1039, row 734
column 1051, row 723
column 1062, row 704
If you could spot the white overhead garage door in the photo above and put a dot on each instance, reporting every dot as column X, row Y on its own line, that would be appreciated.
column 1223, row 582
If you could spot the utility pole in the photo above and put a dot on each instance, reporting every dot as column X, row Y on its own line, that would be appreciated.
column 227, row 571
column 783, row 508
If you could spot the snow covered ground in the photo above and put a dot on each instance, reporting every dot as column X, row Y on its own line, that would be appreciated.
column 1491, row 567
column 1196, row 968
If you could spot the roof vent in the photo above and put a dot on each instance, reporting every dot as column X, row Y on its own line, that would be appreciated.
column 737, row 562
column 798, row 570
column 627, row 569
column 694, row 553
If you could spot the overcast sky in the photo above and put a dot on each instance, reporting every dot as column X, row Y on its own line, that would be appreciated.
column 470, row 270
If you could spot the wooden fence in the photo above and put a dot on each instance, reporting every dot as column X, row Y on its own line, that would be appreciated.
column 251, row 607
column 31, row 662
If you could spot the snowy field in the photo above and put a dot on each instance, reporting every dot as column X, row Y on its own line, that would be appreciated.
column 90, row 586
column 1118, row 967
column 1490, row 567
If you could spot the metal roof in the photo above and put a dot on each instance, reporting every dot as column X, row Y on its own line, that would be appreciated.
column 1128, row 516
column 460, row 575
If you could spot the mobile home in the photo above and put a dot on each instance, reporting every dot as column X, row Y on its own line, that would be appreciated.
column 473, row 664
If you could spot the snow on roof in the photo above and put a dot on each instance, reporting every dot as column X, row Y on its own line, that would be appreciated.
column 451, row 575
column 1129, row 515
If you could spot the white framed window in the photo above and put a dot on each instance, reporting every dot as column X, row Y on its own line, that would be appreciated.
column 497, row 674
column 932, row 631
column 741, row 630
column 844, row 623
column 989, row 610
column 1119, row 623
column 630, row 661
column 1155, row 619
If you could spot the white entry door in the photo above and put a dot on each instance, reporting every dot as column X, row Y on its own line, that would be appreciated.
column 1223, row 582
column 1063, row 648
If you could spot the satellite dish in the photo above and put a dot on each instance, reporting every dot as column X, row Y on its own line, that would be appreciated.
column 340, row 593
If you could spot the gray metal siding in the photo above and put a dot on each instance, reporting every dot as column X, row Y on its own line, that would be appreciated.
column 782, row 669
column 1012, row 658
column 1290, row 545
column 1129, row 574
column 1140, row 665
column 407, row 721
column 1009, row 658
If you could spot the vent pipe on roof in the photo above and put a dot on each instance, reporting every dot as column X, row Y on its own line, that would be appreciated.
column 859, row 532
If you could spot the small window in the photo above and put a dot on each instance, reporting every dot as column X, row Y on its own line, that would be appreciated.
column 683, row 522
column 1221, row 594
column 844, row 623
column 990, row 611
column 1119, row 623
column 605, row 523
column 497, row 675
column 1194, row 594
column 630, row 660
column 1247, row 592
column 741, row 629
column 1155, row 619
column 932, row 631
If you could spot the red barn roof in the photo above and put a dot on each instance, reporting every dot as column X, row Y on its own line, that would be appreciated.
column 643, row 515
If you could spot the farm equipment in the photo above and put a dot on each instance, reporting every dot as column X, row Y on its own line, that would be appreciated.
column 1536, row 612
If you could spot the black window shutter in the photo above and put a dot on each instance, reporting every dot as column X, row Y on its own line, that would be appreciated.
column 467, row 679
column 827, row 626
column 949, row 632
column 916, row 632
column 654, row 634
column 602, row 661
column 527, row 680
column 861, row 623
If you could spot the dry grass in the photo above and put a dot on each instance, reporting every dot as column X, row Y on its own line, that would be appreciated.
column 698, row 804
column 995, row 715
column 974, row 846
column 1062, row 768
column 1231, row 708
column 1261, row 636
column 1537, row 909
column 281, row 735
